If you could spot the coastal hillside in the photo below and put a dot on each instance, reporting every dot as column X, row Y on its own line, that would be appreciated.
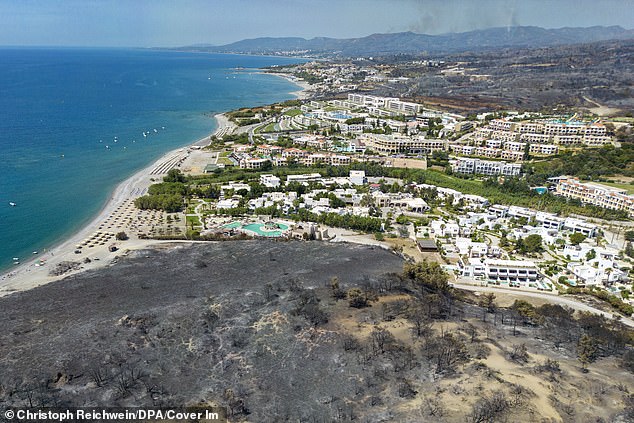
column 412, row 43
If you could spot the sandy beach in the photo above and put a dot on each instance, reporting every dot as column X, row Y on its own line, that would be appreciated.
column 301, row 94
column 118, row 215
column 94, row 240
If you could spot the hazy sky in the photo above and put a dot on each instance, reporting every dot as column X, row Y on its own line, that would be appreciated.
column 149, row 23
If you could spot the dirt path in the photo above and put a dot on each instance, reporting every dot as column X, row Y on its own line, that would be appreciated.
column 551, row 298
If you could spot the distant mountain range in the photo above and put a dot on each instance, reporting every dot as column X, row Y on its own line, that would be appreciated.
column 412, row 43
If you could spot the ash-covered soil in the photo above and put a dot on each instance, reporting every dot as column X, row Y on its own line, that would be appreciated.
column 232, row 323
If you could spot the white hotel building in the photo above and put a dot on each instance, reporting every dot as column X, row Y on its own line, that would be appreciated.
column 388, row 103
column 596, row 194
column 483, row 167
column 397, row 143
column 512, row 272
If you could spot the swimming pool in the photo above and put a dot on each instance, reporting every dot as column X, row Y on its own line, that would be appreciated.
column 259, row 228
column 233, row 225
column 339, row 115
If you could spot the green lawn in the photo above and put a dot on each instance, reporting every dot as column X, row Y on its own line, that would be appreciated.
column 628, row 187
column 194, row 220
column 269, row 128
column 225, row 161
column 626, row 119
column 293, row 112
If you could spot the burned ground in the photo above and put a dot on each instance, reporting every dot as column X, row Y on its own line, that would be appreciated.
column 302, row 331
column 524, row 79
column 185, row 324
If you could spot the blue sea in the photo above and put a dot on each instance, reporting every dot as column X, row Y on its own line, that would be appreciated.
column 60, row 108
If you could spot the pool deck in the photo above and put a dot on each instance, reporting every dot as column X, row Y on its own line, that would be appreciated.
column 257, row 228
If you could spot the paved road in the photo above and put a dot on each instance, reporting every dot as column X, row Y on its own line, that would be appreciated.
column 552, row 298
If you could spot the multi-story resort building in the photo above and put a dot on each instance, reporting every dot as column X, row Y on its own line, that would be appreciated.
column 268, row 150
column 597, row 140
column 547, row 220
column 483, row 167
column 488, row 152
column 403, row 107
column 544, row 149
column 391, row 104
column 581, row 226
column 483, row 134
column 543, row 138
column 543, row 131
column 500, row 125
column 463, row 150
column 252, row 163
column 596, row 194
column 399, row 144
column 494, row 143
column 369, row 100
column 530, row 128
column 535, row 138
column 514, row 146
column 295, row 153
column 512, row 272
column 330, row 159
column 430, row 145
column 568, row 139
column 506, row 136
column 512, row 155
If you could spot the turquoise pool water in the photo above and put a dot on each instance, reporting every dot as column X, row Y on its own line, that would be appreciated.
column 257, row 228
column 233, row 225
column 541, row 190
column 338, row 115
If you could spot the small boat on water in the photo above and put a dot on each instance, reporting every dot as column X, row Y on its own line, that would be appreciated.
column 16, row 258
column 12, row 204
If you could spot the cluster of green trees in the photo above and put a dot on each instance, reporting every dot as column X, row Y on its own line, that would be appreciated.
column 246, row 122
column 242, row 138
column 590, row 164
column 358, row 223
column 433, row 128
column 334, row 201
column 355, row 120
column 529, row 245
column 168, row 195
column 170, row 203
column 429, row 276
column 513, row 191
column 241, row 113
column 309, row 77
column 604, row 295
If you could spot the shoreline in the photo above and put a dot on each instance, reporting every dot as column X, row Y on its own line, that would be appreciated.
column 35, row 272
column 305, row 87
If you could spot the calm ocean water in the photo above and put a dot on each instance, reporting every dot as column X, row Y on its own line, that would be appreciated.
column 60, row 108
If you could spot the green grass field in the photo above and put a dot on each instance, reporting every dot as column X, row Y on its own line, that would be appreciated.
column 293, row 112
column 628, row 187
column 269, row 128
